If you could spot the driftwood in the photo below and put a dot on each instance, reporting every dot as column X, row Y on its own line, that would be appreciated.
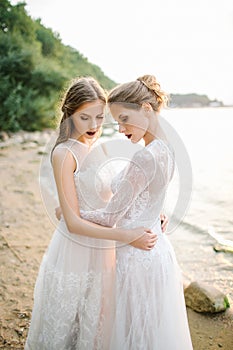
column 12, row 249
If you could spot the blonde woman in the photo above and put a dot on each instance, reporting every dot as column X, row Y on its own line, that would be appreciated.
column 150, row 308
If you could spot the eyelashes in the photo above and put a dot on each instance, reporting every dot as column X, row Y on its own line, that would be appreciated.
column 97, row 117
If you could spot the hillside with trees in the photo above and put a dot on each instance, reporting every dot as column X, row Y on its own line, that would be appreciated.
column 35, row 67
column 192, row 100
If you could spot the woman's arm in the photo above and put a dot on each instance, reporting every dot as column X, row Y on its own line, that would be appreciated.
column 137, row 176
column 64, row 166
column 163, row 218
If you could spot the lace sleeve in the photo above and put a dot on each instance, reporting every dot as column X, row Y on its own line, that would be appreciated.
column 137, row 176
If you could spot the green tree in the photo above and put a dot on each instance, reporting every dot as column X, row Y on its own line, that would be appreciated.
column 34, row 67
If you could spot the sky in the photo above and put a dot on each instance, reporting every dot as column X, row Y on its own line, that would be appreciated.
column 186, row 44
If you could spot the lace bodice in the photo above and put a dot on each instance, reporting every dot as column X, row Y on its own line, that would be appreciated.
column 139, row 190
column 93, row 186
column 77, row 304
column 76, row 278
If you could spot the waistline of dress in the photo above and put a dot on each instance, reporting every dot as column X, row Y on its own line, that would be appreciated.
column 82, row 240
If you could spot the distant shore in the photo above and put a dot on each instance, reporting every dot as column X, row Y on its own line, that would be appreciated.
column 172, row 106
column 24, row 236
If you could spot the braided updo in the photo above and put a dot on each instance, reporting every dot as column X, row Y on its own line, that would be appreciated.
column 144, row 89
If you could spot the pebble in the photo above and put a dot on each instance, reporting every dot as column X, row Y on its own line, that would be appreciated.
column 26, row 138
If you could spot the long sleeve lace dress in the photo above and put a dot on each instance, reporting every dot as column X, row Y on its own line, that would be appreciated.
column 150, row 308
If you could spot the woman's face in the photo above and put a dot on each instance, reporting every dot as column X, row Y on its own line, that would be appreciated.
column 132, row 122
column 87, row 121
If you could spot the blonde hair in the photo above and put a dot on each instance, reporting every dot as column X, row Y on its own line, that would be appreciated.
column 144, row 89
column 80, row 91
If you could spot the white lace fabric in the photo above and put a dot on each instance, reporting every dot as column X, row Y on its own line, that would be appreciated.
column 150, row 308
column 80, row 303
column 74, row 291
column 139, row 190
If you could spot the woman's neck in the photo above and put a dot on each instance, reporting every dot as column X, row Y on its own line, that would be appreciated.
column 82, row 139
column 152, row 129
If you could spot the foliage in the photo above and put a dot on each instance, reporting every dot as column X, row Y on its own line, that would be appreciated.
column 192, row 100
column 32, row 70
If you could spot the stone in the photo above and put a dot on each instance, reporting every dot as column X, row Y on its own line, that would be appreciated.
column 42, row 151
column 29, row 145
column 3, row 136
column 204, row 298
column 222, row 248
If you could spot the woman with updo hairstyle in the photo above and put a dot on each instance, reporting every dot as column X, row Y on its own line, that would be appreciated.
column 150, row 306
column 144, row 89
column 73, row 296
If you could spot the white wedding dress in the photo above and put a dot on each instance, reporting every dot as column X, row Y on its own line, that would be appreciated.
column 73, row 296
column 150, row 308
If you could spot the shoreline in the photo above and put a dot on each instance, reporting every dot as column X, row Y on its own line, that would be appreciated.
column 25, row 233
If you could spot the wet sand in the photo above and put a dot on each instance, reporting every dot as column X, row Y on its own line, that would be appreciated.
column 25, row 233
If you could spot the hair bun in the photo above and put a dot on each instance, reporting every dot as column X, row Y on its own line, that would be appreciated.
column 150, row 82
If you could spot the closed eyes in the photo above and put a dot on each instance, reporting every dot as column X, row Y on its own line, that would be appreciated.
column 123, row 118
column 99, row 116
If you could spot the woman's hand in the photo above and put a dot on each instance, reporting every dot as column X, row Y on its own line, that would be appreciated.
column 164, row 222
column 58, row 213
column 145, row 240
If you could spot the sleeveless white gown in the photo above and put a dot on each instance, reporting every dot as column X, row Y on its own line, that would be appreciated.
column 150, row 309
column 73, row 296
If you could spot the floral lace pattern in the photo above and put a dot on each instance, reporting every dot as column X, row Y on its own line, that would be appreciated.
column 73, row 296
column 69, row 318
column 75, row 306
column 150, row 307
column 139, row 191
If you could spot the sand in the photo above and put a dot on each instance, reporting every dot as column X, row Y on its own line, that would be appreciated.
column 25, row 233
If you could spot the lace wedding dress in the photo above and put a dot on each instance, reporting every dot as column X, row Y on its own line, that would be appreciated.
column 150, row 309
column 73, row 296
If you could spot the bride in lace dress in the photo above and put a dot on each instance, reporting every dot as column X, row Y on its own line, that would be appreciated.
column 150, row 308
column 74, row 292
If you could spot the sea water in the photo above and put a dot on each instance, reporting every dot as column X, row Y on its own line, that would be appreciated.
column 207, row 134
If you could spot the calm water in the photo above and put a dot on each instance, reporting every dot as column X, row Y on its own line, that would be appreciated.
column 207, row 135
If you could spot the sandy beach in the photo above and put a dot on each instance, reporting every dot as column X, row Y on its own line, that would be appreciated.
column 25, row 233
